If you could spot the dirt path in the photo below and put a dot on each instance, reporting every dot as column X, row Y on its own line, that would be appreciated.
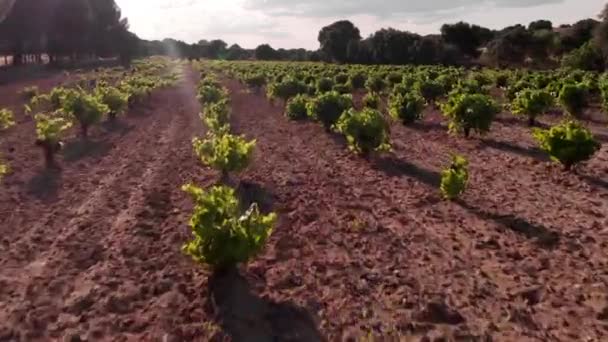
column 100, row 256
column 369, row 247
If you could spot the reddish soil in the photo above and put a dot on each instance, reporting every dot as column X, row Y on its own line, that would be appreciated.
column 362, row 248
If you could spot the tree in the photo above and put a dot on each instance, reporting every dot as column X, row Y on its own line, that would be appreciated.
column 335, row 38
column 575, row 36
column 469, row 38
column 265, row 52
column 540, row 25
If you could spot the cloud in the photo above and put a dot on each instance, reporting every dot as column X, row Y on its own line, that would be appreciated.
column 384, row 9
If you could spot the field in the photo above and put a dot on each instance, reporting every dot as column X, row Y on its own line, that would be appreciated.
column 365, row 248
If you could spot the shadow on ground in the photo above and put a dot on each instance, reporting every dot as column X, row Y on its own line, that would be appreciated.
column 80, row 149
column 45, row 183
column 529, row 152
column 249, row 193
column 541, row 236
column 395, row 167
column 244, row 316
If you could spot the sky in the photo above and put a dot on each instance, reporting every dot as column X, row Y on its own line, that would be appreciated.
column 296, row 23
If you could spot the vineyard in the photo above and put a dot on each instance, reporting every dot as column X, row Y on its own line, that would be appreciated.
column 300, row 201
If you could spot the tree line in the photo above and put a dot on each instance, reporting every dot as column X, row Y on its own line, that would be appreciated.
column 70, row 30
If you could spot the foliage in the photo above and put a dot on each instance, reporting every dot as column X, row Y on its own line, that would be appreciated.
column 357, row 80
column 6, row 118
column 342, row 88
column 371, row 100
column 375, row 84
column 455, row 178
column 325, row 84
column 573, row 98
column 217, row 115
column 603, row 86
column 335, row 38
column 568, row 143
column 341, row 78
column 296, row 107
column 365, row 130
column 532, row 103
column 430, row 89
column 222, row 235
column 255, row 81
column 85, row 108
column 470, row 111
column 113, row 98
column 406, row 107
column 210, row 94
column 587, row 57
column 327, row 108
column 286, row 89
column 50, row 128
column 224, row 152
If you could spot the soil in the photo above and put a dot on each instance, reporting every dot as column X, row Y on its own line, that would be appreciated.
column 363, row 247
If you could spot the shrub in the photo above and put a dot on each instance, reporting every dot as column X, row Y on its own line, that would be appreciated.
column 210, row 94
column 342, row 88
column 454, row 179
column 224, row 152
column 357, row 80
column 327, row 108
column 255, row 81
column 296, row 108
column 470, row 111
column 115, row 99
column 287, row 89
column 371, row 101
column 85, row 108
column 603, row 86
column 501, row 80
column 325, row 85
column 567, row 143
column 573, row 98
column 341, row 79
column 49, row 131
column 430, row 89
column 217, row 116
column 6, row 119
column 515, row 88
column 532, row 103
column 365, row 130
column 223, row 236
column 394, row 78
column 375, row 84
column 406, row 107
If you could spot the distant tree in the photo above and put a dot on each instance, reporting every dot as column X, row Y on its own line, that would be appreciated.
column 335, row 38
column 236, row 52
column 509, row 47
column 469, row 38
column 540, row 25
column 575, row 36
column 390, row 46
column 265, row 52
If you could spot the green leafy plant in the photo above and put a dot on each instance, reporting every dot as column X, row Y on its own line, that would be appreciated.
column 324, row 85
column 208, row 94
column 255, row 81
column 603, row 87
column 532, row 103
column 430, row 89
column 287, row 89
column 375, row 84
column 87, row 109
column 455, row 178
column 468, row 112
column 6, row 119
column 224, row 152
column 49, row 131
column 371, row 101
column 342, row 88
column 296, row 108
column 357, row 80
column 114, row 99
column 327, row 108
column 223, row 235
column 406, row 107
column 567, row 143
column 573, row 98
column 365, row 130
column 217, row 116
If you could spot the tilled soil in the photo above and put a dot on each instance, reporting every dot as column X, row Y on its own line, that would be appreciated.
column 363, row 248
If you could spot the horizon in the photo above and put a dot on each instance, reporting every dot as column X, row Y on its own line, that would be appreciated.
column 250, row 23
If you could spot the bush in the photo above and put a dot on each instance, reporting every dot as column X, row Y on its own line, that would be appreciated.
column 324, row 85
column 342, row 88
column 394, row 78
column 567, row 143
column 287, row 89
column 296, row 108
column 341, row 79
column 406, row 107
column 573, row 98
column 85, row 108
column 7, row 119
column 255, row 81
column 430, row 90
column 357, row 80
column 327, row 108
column 375, row 84
column 365, row 130
column 217, row 116
column 223, row 236
column 224, row 152
column 210, row 94
column 587, row 57
column 470, row 111
column 114, row 99
column 532, row 103
column 49, row 131
column 371, row 101
column 454, row 179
